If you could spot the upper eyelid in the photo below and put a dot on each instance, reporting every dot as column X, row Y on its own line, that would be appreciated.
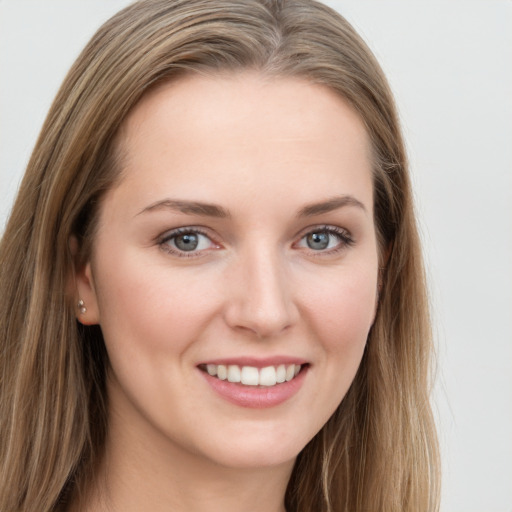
column 170, row 233
column 162, row 242
column 345, row 238
column 323, row 227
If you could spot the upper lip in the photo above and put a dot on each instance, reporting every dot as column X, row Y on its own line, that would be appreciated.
column 257, row 362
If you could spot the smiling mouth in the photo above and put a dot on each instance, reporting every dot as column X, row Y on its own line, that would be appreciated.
column 251, row 376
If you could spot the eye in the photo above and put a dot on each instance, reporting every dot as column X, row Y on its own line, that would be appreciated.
column 326, row 239
column 186, row 240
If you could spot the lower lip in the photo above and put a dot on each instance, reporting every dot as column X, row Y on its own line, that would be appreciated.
column 256, row 397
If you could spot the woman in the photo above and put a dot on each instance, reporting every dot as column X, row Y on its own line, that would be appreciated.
column 221, row 299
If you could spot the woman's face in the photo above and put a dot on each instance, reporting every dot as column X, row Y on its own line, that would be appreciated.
column 238, row 245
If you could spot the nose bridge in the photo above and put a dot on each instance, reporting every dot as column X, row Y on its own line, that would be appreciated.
column 262, row 301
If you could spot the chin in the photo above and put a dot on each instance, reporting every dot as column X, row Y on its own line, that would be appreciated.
column 264, row 451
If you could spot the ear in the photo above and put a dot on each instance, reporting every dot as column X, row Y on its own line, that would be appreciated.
column 84, row 293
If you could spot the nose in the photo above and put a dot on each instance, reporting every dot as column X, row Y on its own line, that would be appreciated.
column 260, row 297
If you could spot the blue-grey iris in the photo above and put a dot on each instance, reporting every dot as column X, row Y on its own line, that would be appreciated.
column 317, row 241
column 187, row 242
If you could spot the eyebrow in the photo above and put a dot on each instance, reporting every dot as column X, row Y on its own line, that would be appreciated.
column 213, row 210
column 330, row 205
column 189, row 207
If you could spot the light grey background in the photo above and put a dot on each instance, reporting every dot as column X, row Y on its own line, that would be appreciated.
column 450, row 65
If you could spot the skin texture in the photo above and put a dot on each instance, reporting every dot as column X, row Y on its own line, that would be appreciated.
column 262, row 149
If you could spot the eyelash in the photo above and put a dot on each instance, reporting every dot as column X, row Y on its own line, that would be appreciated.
column 344, row 237
column 163, row 242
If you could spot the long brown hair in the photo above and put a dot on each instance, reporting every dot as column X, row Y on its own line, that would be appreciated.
column 378, row 452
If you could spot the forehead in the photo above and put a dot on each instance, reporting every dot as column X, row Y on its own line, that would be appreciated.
column 197, row 134
column 248, row 99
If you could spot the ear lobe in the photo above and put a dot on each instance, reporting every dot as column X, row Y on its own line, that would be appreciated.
column 84, row 293
column 87, row 311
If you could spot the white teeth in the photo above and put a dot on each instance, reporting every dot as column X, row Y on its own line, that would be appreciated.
column 281, row 373
column 233, row 373
column 222, row 372
column 252, row 376
column 268, row 376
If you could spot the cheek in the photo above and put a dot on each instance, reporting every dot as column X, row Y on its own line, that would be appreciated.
column 342, row 310
column 339, row 313
column 153, row 311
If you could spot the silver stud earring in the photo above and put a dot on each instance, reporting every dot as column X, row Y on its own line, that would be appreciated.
column 81, row 306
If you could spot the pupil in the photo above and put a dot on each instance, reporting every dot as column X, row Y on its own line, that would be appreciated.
column 318, row 240
column 187, row 242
